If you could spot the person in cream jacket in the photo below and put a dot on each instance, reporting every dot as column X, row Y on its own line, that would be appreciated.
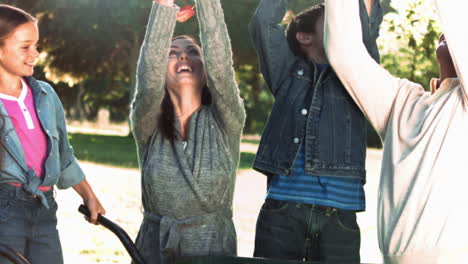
column 423, row 187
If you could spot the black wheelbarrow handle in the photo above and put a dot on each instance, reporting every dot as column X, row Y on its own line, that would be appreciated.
column 119, row 232
column 12, row 255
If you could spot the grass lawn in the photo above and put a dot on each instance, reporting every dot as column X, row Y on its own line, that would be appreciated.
column 251, row 141
column 246, row 160
column 110, row 150
column 121, row 151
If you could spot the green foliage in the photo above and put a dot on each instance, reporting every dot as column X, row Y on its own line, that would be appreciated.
column 92, row 43
column 408, row 41
column 257, row 98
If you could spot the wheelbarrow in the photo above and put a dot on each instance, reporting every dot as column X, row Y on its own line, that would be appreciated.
column 137, row 259
column 16, row 258
column 119, row 232
column 12, row 255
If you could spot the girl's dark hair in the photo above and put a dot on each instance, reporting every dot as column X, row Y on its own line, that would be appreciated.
column 167, row 117
column 304, row 22
column 11, row 18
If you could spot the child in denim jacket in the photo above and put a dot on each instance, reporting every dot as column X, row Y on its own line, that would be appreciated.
column 314, row 144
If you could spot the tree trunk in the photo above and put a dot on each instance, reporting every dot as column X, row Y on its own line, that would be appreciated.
column 79, row 112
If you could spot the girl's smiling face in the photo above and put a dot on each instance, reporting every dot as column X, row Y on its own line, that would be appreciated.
column 18, row 51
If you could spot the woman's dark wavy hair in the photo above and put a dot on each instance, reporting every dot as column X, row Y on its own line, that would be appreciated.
column 167, row 117
column 304, row 22
column 11, row 18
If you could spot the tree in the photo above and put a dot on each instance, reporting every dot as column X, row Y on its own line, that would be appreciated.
column 93, row 46
column 408, row 40
column 98, row 45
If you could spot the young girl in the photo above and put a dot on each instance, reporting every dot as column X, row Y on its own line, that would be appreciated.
column 34, row 149
column 187, row 118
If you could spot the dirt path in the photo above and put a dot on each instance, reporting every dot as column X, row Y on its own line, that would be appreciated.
column 119, row 190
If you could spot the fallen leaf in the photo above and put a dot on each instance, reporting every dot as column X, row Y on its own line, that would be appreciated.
column 185, row 14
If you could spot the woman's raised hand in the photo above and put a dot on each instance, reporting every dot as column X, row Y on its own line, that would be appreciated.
column 165, row 2
column 183, row 15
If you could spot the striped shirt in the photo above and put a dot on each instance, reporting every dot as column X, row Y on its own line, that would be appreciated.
column 338, row 192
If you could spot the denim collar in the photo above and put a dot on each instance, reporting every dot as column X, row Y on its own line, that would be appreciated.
column 35, row 86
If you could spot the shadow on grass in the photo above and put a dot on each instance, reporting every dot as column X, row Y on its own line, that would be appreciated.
column 120, row 151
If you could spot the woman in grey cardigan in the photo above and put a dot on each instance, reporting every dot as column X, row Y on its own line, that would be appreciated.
column 187, row 119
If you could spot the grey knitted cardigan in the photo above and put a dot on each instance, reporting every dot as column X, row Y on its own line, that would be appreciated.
column 187, row 192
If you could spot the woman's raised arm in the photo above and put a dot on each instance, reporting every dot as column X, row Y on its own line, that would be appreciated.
column 217, row 52
column 151, row 70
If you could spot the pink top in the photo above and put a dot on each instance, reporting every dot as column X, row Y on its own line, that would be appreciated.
column 22, row 113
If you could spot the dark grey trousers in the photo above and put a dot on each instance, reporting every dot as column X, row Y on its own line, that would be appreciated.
column 296, row 231
column 28, row 227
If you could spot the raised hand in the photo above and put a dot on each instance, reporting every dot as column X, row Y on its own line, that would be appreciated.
column 165, row 2
column 183, row 15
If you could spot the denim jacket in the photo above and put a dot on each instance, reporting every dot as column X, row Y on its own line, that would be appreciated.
column 310, row 108
column 61, row 167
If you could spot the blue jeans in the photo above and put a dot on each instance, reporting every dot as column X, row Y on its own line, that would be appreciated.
column 28, row 227
column 297, row 231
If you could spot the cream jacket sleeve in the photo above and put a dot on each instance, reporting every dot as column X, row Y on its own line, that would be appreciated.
column 372, row 88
